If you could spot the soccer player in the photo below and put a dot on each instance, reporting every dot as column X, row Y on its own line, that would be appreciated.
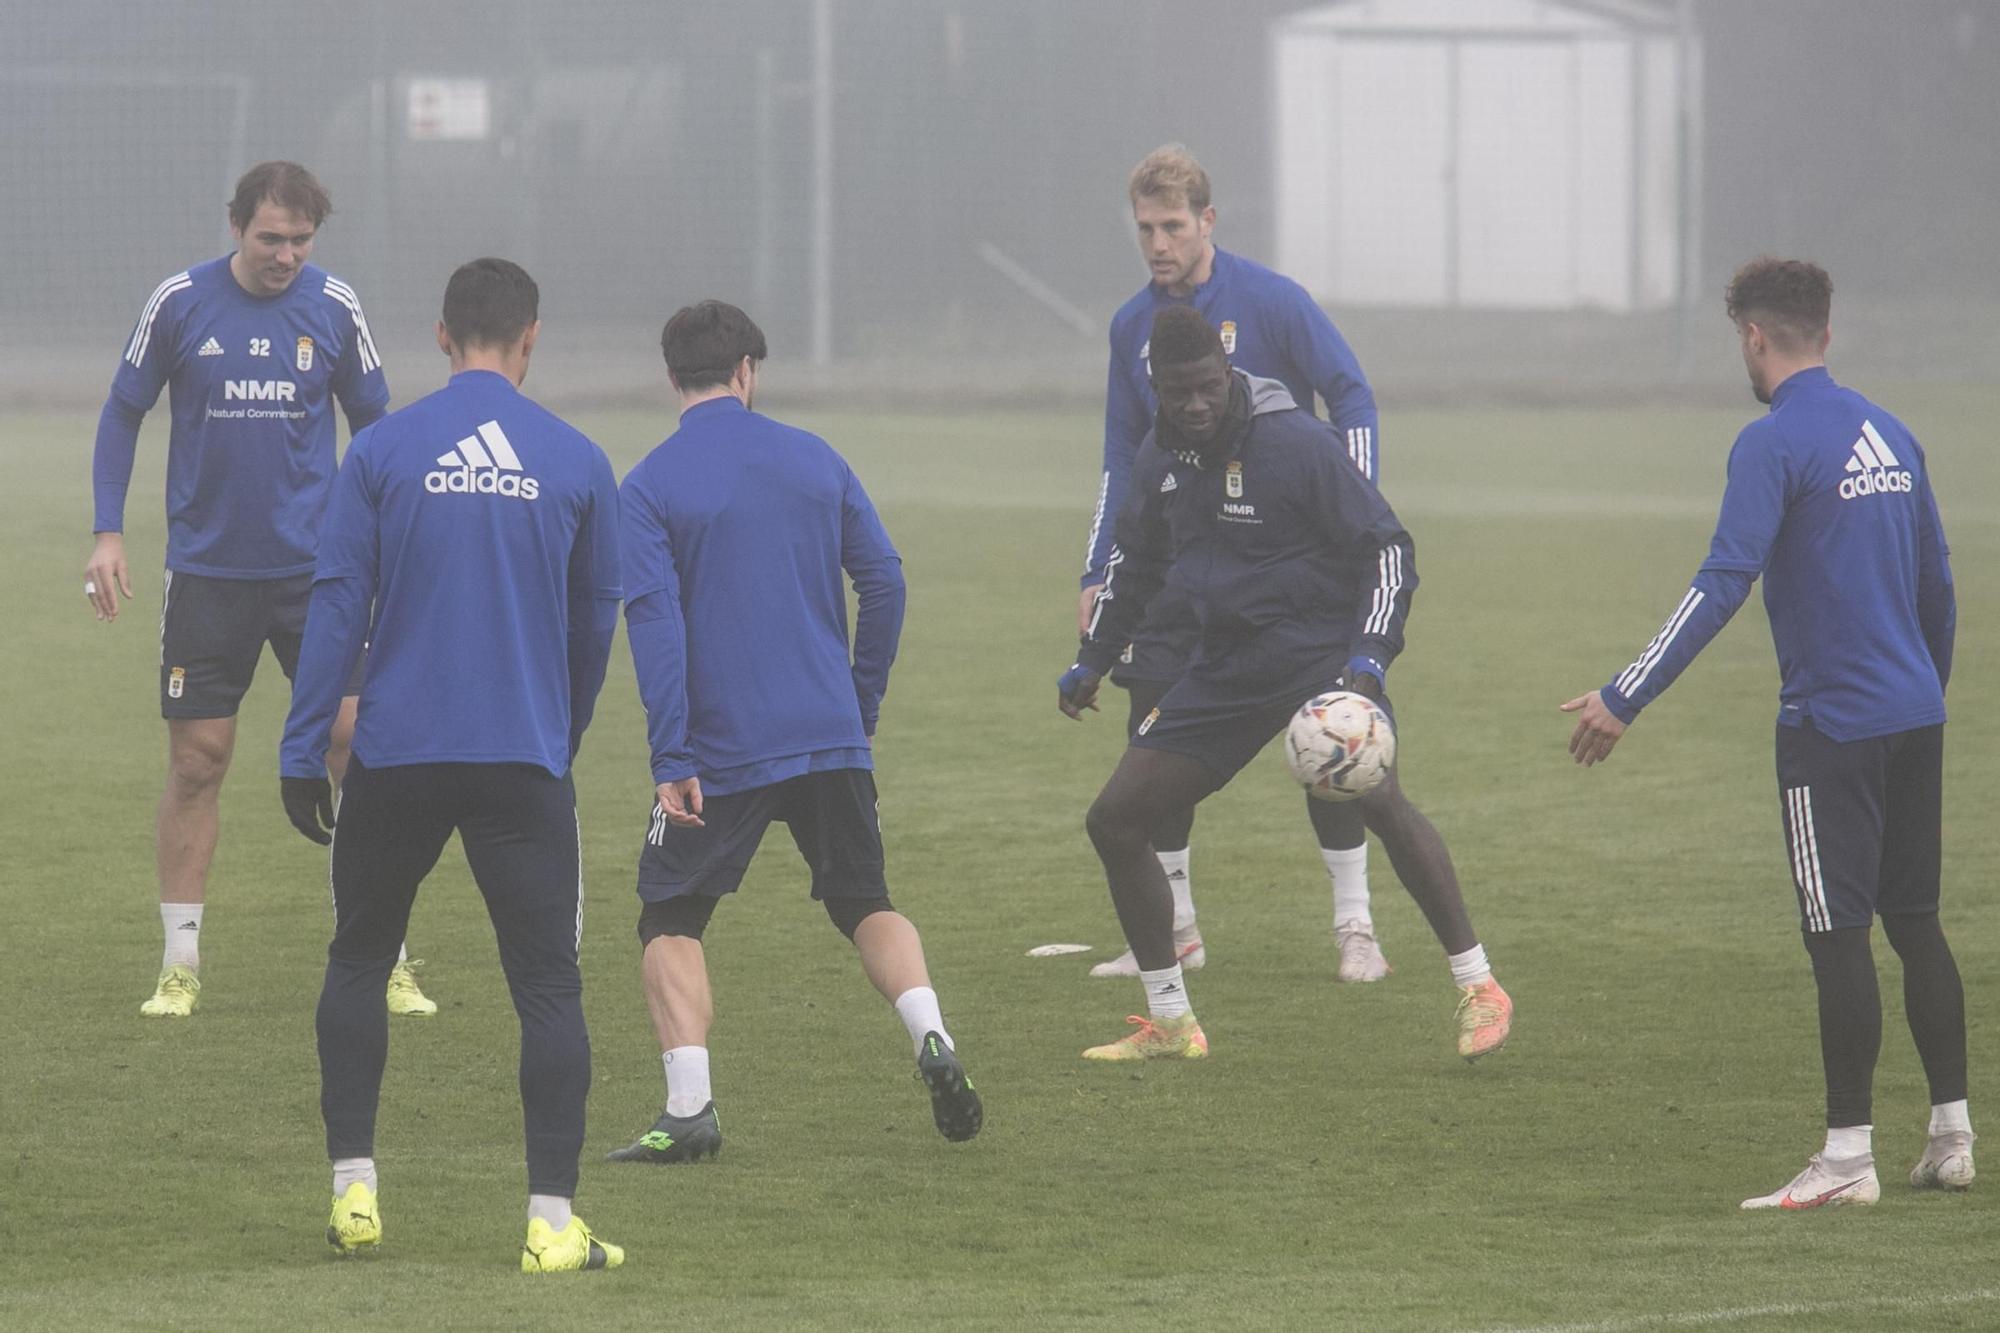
column 257, row 346
column 1269, row 327
column 1829, row 498
column 483, row 533
column 1299, row 577
column 737, row 530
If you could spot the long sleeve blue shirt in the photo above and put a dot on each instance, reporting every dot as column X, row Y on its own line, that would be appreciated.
column 481, row 530
column 737, row 530
column 252, row 382
column 1829, row 499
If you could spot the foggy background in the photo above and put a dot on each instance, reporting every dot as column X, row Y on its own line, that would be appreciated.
column 923, row 200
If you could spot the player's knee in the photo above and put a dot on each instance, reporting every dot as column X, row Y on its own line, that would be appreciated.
column 684, row 917
column 847, row 914
column 1912, row 933
column 196, row 765
column 1112, row 820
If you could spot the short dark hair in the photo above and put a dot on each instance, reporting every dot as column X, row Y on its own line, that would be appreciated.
column 286, row 184
column 704, row 343
column 1181, row 335
column 1790, row 298
column 490, row 303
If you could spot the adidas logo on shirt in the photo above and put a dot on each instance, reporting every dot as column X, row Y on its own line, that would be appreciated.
column 210, row 348
column 1169, row 484
column 1869, row 470
column 483, row 463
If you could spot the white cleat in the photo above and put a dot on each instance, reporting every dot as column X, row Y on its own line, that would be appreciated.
column 1946, row 1163
column 1360, row 952
column 1187, row 947
column 1825, row 1183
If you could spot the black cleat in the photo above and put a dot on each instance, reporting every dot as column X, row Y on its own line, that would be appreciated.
column 954, row 1104
column 676, row 1138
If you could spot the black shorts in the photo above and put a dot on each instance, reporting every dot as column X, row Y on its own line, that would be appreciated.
column 1225, row 737
column 1862, row 823
column 212, row 631
column 832, row 816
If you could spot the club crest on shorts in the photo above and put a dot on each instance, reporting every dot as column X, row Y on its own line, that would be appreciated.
column 1147, row 725
column 1232, row 480
column 1229, row 337
column 176, row 682
column 304, row 360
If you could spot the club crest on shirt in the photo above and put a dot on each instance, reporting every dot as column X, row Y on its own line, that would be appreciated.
column 1229, row 337
column 304, row 360
column 1232, row 480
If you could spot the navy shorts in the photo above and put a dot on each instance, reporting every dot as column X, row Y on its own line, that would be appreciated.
column 1862, row 823
column 832, row 816
column 1224, row 736
column 213, row 631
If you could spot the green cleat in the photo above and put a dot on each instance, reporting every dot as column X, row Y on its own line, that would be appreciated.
column 405, row 1000
column 955, row 1105
column 572, row 1250
column 676, row 1138
column 175, row 997
column 356, row 1224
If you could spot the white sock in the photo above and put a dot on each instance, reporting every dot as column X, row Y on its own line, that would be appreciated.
column 687, row 1080
column 1849, row 1142
column 1348, row 868
column 347, row 1170
column 1176, row 866
column 403, row 952
column 181, row 924
column 1166, row 993
column 551, row 1209
column 918, row 1008
column 1951, row 1118
column 1470, row 968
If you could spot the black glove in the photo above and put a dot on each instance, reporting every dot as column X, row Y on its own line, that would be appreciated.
column 309, row 805
column 1364, row 683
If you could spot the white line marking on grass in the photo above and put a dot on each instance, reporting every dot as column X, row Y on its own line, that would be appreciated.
column 1708, row 1318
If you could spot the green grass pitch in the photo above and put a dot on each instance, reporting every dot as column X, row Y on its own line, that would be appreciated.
column 1333, row 1165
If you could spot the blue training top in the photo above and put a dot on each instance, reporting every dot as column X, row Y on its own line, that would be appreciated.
column 1830, row 499
column 483, row 530
column 1271, row 328
column 250, row 457
column 737, row 529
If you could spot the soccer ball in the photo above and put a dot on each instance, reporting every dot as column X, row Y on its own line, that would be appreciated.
column 1340, row 746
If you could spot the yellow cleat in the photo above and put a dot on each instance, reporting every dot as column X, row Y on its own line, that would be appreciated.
column 405, row 1000
column 1155, row 1039
column 356, row 1224
column 176, row 994
column 1485, row 1016
column 571, row 1250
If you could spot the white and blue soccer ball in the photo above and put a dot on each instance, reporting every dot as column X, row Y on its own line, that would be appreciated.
column 1340, row 745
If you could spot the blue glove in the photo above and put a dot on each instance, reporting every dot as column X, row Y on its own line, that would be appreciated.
column 1363, row 676
column 1076, row 690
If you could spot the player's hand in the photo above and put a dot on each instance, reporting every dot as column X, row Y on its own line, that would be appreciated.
column 1077, row 690
column 1086, row 605
column 1364, row 683
column 1597, row 730
column 309, row 805
column 105, row 575
column 681, row 802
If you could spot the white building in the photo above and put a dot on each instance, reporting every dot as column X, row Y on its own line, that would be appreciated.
column 1510, row 154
